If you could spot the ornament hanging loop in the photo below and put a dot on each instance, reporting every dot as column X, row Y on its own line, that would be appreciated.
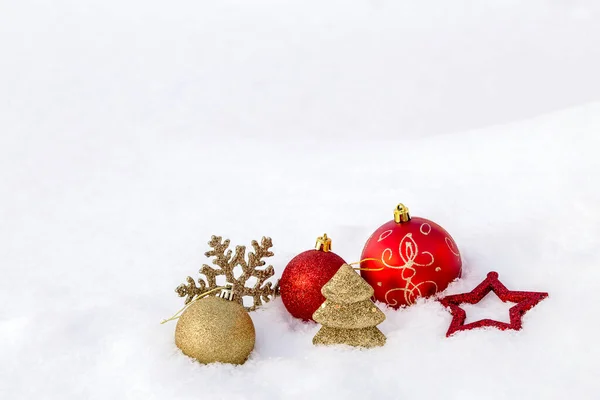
column 198, row 297
column 401, row 214
column 323, row 243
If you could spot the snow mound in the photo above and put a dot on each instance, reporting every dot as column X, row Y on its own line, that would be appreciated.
column 92, row 267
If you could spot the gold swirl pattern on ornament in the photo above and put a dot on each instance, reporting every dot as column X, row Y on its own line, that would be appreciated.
column 425, row 229
column 409, row 293
column 451, row 246
column 409, row 251
column 386, row 233
column 409, row 255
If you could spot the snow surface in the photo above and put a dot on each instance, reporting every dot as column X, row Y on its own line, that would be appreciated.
column 131, row 131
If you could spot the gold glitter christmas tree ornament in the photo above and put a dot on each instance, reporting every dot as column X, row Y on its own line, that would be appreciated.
column 225, row 265
column 216, row 329
column 348, row 315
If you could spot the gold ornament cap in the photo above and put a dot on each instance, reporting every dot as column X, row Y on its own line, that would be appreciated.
column 323, row 243
column 401, row 214
column 227, row 292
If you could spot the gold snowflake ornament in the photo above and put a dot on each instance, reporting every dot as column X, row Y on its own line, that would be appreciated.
column 226, row 262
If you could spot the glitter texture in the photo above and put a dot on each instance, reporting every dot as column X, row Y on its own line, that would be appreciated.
column 226, row 264
column 358, row 315
column 354, row 321
column 366, row 337
column 525, row 301
column 347, row 287
column 215, row 330
column 302, row 280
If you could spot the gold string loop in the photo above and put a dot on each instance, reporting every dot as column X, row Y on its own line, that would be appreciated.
column 367, row 269
column 178, row 313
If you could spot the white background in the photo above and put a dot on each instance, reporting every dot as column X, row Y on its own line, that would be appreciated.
column 130, row 131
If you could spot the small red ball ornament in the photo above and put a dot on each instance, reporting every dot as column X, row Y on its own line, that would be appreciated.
column 408, row 258
column 304, row 276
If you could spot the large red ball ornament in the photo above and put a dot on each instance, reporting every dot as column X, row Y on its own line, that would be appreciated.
column 408, row 258
column 304, row 276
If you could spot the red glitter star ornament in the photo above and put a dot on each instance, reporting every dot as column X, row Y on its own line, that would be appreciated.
column 525, row 301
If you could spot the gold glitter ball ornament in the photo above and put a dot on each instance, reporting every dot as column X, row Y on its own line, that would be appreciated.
column 215, row 329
